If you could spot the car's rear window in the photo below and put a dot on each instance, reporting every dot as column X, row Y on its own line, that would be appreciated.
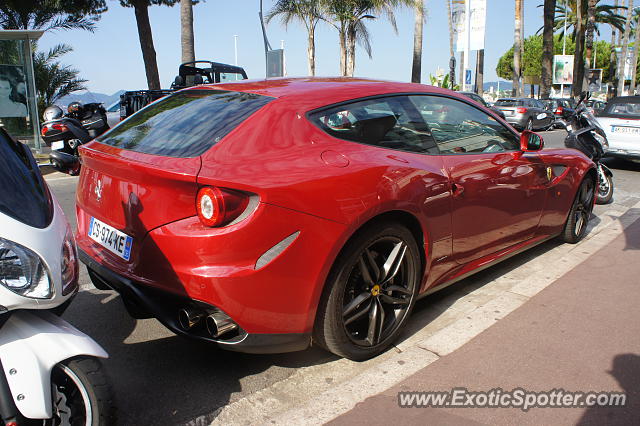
column 25, row 196
column 184, row 124
column 509, row 102
column 622, row 110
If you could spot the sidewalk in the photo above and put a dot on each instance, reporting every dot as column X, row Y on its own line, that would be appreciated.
column 582, row 333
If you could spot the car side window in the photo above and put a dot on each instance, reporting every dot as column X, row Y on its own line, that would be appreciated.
column 390, row 122
column 460, row 128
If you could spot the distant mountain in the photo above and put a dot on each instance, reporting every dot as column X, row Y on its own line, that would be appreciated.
column 504, row 85
column 88, row 97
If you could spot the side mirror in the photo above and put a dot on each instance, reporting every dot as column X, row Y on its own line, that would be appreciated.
column 530, row 142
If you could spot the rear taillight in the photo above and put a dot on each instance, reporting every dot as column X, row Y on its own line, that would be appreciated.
column 559, row 111
column 521, row 110
column 43, row 132
column 218, row 207
column 60, row 127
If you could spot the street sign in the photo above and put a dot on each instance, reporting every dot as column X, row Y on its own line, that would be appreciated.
column 563, row 69
column 467, row 76
column 594, row 78
column 275, row 63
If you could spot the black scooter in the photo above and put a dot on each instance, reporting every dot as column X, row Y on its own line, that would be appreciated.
column 65, row 133
column 586, row 135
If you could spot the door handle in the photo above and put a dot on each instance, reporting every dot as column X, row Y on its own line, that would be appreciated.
column 457, row 189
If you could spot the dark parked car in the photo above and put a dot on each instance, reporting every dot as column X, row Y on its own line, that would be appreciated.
column 482, row 102
column 596, row 107
column 562, row 109
column 526, row 113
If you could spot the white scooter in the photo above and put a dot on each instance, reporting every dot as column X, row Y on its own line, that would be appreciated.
column 48, row 369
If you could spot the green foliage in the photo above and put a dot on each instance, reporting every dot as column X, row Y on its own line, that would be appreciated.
column 442, row 82
column 50, row 14
column 532, row 57
column 133, row 3
column 54, row 80
column 604, row 14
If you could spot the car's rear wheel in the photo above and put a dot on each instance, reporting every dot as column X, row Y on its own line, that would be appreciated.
column 576, row 226
column 529, row 125
column 370, row 292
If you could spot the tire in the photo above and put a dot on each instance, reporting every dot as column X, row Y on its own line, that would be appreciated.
column 575, row 228
column 81, row 394
column 363, row 308
column 529, row 124
column 605, row 191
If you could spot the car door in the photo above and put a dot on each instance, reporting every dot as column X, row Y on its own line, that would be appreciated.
column 498, row 192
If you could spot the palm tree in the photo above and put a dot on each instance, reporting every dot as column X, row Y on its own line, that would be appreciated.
column 517, row 50
column 349, row 16
column 634, row 60
column 186, row 31
column 591, row 17
column 452, row 60
column 625, row 46
column 547, row 49
column 416, row 69
column 578, row 56
column 53, row 80
column 612, row 57
column 50, row 15
column 306, row 11
column 603, row 14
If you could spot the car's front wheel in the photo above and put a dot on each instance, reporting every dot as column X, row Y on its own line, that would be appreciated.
column 370, row 292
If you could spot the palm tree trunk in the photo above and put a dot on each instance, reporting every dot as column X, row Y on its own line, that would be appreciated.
column 612, row 59
column 480, row 72
column 634, row 61
column 591, row 20
column 578, row 58
column 517, row 48
column 351, row 50
column 141, row 9
column 625, row 46
column 343, row 50
column 186, row 31
column 547, row 49
column 452, row 57
column 416, row 69
column 311, row 50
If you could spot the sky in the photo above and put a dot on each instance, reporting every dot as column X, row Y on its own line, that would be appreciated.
column 111, row 59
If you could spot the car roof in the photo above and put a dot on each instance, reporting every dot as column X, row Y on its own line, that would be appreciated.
column 314, row 92
column 625, row 99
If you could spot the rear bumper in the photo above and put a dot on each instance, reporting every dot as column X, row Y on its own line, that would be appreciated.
column 518, row 121
column 142, row 301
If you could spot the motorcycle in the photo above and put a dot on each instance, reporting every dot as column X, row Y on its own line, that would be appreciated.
column 65, row 133
column 586, row 135
column 50, row 372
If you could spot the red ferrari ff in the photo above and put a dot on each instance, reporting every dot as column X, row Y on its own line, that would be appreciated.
column 267, row 215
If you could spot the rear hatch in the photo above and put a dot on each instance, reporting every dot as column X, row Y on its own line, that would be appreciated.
column 143, row 173
column 508, row 106
column 621, row 122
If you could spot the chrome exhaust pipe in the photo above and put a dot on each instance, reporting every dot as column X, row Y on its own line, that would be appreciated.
column 219, row 323
column 188, row 318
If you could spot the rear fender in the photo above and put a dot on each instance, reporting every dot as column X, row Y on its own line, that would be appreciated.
column 31, row 344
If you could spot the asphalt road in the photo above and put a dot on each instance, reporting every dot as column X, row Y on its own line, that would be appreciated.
column 159, row 378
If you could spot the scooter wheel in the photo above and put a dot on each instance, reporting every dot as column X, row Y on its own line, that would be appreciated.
column 81, row 393
column 605, row 191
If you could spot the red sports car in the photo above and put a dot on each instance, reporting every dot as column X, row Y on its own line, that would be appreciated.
column 266, row 215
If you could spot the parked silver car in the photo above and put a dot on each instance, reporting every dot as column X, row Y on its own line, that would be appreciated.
column 526, row 113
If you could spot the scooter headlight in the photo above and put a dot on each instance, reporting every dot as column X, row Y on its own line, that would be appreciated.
column 23, row 272
column 603, row 141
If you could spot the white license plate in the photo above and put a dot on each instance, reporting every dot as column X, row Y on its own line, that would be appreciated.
column 110, row 238
column 57, row 145
column 507, row 113
column 625, row 130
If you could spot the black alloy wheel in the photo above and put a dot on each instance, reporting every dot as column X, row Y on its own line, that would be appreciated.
column 576, row 226
column 370, row 292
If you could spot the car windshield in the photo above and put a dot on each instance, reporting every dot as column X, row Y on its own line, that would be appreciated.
column 622, row 109
column 509, row 102
column 25, row 196
column 185, row 124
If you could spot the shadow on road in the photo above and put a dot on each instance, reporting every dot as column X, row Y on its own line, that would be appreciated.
column 163, row 379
